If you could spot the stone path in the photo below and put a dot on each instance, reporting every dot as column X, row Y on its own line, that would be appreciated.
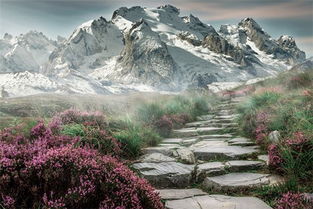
column 208, row 154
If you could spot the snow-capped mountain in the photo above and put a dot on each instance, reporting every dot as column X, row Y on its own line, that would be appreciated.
column 143, row 49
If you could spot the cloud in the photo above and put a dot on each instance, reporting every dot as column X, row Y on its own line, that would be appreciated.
column 304, row 40
column 223, row 10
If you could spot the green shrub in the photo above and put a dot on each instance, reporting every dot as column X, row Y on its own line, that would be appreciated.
column 300, row 80
column 133, row 137
column 73, row 130
column 148, row 113
column 264, row 99
column 199, row 106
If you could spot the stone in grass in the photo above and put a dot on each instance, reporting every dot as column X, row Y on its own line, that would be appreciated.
column 185, row 155
column 264, row 158
column 217, row 202
column 274, row 137
column 166, row 174
column 243, row 165
column 237, row 181
column 175, row 194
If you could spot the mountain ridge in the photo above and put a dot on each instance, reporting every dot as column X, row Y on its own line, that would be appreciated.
column 152, row 49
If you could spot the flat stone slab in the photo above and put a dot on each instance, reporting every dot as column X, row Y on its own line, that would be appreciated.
column 204, row 117
column 233, row 116
column 189, row 141
column 215, row 136
column 163, row 150
column 209, row 169
column 166, row 174
column 244, row 165
column 184, row 132
column 210, row 152
column 156, row 158
column 172, row 141
column 235, row 181
column 175, row 194
column 208, row 130
column 195, row 124
column 242, row 141
column 217, row 202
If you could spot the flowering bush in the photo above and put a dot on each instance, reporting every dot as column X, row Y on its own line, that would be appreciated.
column 275, row 160
column 48, row 170
column 261, row 131
column 293, row 201
column 75, row 116
column 164, row 125
column 37, row 175
column 298, row 142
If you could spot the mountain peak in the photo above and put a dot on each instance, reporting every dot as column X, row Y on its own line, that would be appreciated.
column 7, row 36
column 170, row 8
column 250, row 23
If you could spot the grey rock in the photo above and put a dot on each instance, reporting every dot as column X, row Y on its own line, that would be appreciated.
column 243, row 165
column 185, row 155
column 274, row 137
column 208, row 130
column 209, row 169
column 156, row 158
column 184, row 132
column 235, row 181
column 217, row 202
column 205, row 117
column 220, row 149
column 172, row 141
column 263, row 158
column 163, row 150
column 166, row 174
column 241, row 141
column 175, row 194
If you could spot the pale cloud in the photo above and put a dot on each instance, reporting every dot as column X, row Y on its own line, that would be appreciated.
column 214, row 11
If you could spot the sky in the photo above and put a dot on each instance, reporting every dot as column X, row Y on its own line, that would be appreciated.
column 61, row 17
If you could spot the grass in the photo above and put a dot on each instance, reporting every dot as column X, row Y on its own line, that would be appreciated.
column 283, row 104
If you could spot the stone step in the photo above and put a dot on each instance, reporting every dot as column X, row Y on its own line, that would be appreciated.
column 204, row 117
column 218, row 168
column 233, row 116
column 241, row 141
column 210, row 150
column 216, row 202
column 176, row 194
column 215, row 136
column 239, row 181
column 225, row 120
column 166, row 174
column 211, row 123
column 189, row 132
column 156, row 158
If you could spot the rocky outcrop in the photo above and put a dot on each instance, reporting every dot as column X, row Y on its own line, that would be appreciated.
column 94, row 37
column 218, row 44
column 195, row 24
column 285, row 48
column 190, row 38
column 145, row 58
